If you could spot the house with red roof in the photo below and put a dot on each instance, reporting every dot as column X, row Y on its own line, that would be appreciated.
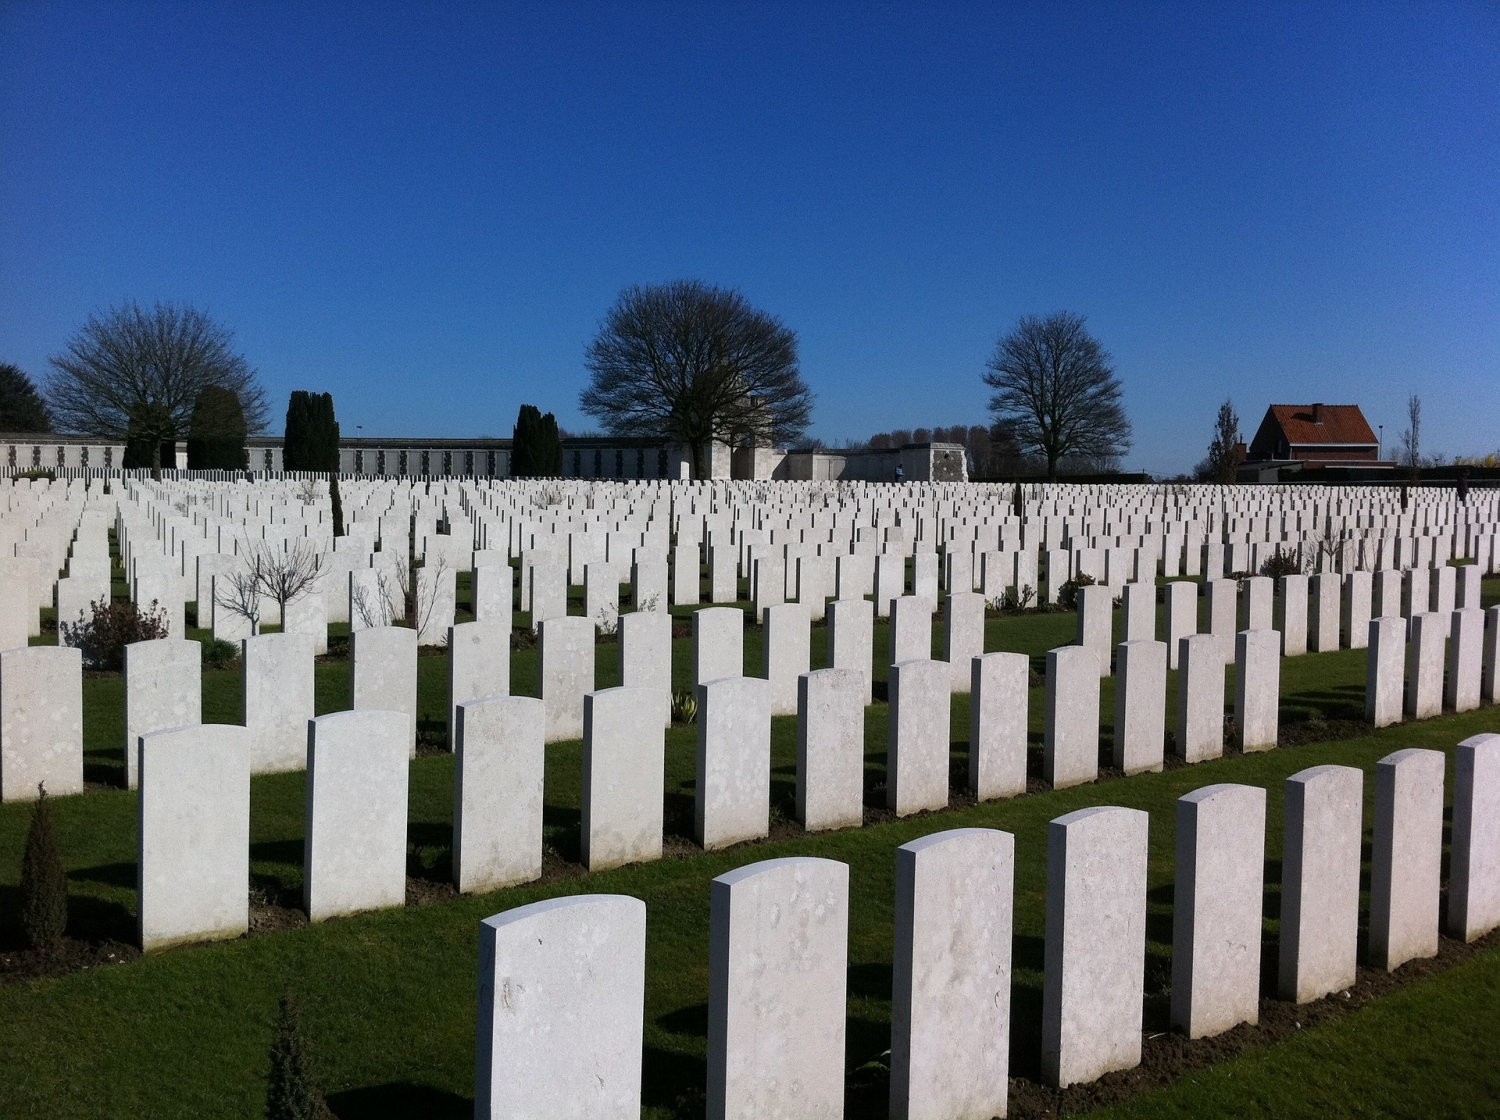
column 1298, row 437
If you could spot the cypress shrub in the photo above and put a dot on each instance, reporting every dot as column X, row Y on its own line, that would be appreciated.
column 524, row 441
column 44, row 888
column 338, row 505
column 291, row 1093
column 216, row 435
column 549, row 455
column 312, row 433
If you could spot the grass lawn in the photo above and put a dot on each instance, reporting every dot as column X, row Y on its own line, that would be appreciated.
column 390, row 995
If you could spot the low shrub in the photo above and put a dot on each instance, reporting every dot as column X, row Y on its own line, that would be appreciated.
column 219, row 654
column 1282, row 562
column 1067, row 594
column 103, row 637
column 684, row 707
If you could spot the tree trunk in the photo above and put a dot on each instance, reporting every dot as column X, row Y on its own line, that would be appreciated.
column 156, row 459
column 695, row 449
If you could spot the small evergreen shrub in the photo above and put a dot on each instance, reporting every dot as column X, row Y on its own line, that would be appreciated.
column 44, row 887
column 1282, row 562
column 1067, row 594
column 684, row 707
column 219, row 654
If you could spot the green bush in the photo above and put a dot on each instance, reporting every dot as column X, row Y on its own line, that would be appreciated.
column 44, row 887
column 1067, row 594
column 219, row 654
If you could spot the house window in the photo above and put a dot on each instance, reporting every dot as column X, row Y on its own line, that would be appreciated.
column 661, row 463
column 490, row 455
column 62, row 459
column 380, row 462
column 598, row 462
column 447, row 462
column 359, row 462
column 640, row 463
column 468, row 462
column 13, row 455
column 270, row 461
column 578, row 464
column 83, row 457
column 36, row 456
column 109, row 457
column 426, row 463
column 619, row 464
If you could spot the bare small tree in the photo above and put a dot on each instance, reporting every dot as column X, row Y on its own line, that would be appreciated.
column 238, row 592
column 283, row 576
column 698, row 364
column 1057, row 391
column 404, row 594
column 1411, row 438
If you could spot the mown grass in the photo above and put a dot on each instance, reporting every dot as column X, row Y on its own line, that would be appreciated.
column 390, row 995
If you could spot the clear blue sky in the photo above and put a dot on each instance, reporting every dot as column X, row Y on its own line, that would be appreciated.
column 427, row 210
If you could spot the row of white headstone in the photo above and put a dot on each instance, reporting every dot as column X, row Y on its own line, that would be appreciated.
column 574, row 968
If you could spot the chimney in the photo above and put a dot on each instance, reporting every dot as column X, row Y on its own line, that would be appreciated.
column 1317, row 413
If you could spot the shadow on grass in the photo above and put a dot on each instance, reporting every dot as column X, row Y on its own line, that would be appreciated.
column 110, row 874
column 674, row 1081
column 399, row 1099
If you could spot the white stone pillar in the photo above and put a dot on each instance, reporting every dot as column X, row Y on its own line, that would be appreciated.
column 1140, row 706
column 851, row 638
column 354, row 853
column 193, row 843
column 830, row 749
column 1387, row 599
column 732, row 798
column 163, row 688
column 890, row 581
column 911, row 629
column 718, row 643
column 478, row 666
column 1096, row 623
column 918, row 751
column 1385, row 666
column 1293, row 616
column 1094, row 981
column 686, row 587
column 963, row 636
column 1200, row 699
column 562, row 992
column 1320, row 882
column 1327, row 594
column 1358, row 603
column 1416, row 591
column 1216, row 909
column 1465, row 659
column 1257, row 689
column 1001, row 690
column 565, row 673
column 1406, row 857
column 1140, row 612
column 950, row 990
column 1474, row 868
column 277, row 682
column 1424, row 665
column 1072, row 730
column 1182, row 616
column 497, row 792
column 623, row 757
column 786, row 652
column 1222, row 602
column 383, row 674
column 778, row 960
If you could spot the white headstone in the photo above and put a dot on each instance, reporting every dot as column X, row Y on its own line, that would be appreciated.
column 778, row 953
column 1072, row 730
column 918, row 728
column 623, row 756
column 383, row 674
column 1320, row 882
column 1406, row 857
column 478, row 665
column 732, row 798
column 1000, row 693
column 1140, row 705
column 565, row 672
column 1474, row 871
column 163, row 688
column 193, row 841
column 1257, row 689
column 830, row 749
column 354, row 854
column 1095, row 973
column 950, row 990
column 497, row 792
column 718, row 643
column 562, row 992
column 278, row 691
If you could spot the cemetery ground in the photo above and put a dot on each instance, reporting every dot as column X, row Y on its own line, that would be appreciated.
column 389, row 996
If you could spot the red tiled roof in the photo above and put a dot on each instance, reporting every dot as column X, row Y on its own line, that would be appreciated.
column 1337, row 423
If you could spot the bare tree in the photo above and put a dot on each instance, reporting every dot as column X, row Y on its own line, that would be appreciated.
column 694, row 363
column 132, row 375
column 238, row 593
column 1411, row 439
column 283, row 576
column 1223, row 461
column 404, row 594
column 1057, row 391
